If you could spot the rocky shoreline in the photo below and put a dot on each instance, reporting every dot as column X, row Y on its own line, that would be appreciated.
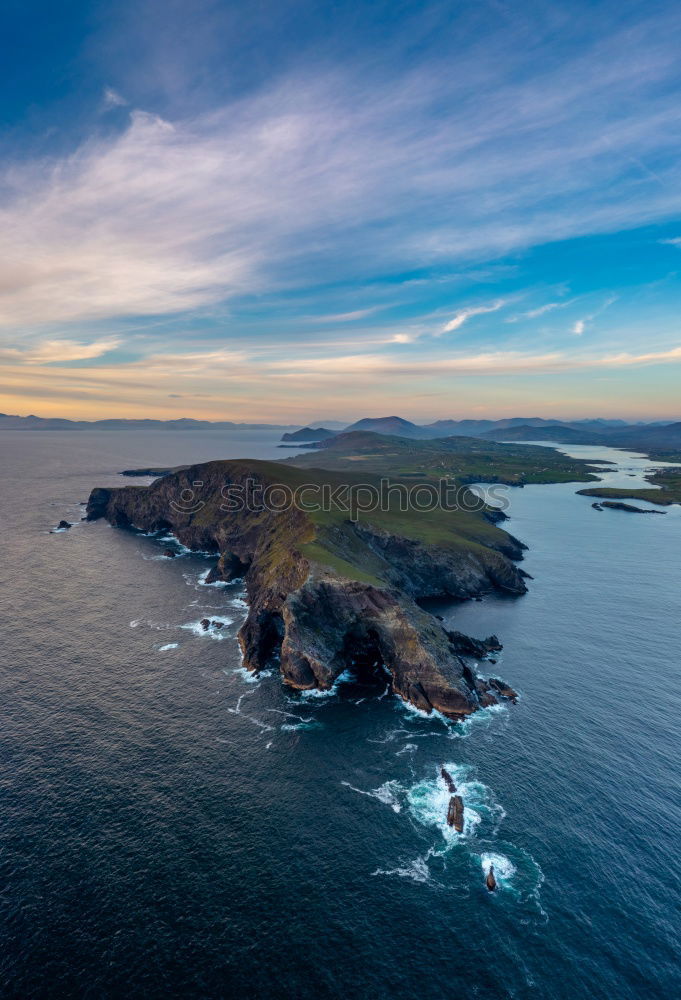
column 324, row 596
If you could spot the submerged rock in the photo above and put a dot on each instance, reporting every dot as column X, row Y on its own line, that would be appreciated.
column 448, row 780
column 504, row 689
column 490, row 881
column 170, row 553
column 64, row 524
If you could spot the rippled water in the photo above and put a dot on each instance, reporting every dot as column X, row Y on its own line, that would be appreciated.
column 173, row 827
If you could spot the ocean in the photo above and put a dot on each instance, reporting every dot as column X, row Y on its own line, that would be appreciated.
column 171, row 826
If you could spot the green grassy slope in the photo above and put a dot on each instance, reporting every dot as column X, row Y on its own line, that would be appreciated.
column 352, row 465
column 462, row 458
column 668, row 481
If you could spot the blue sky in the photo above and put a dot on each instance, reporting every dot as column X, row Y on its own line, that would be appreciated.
column 294, row 211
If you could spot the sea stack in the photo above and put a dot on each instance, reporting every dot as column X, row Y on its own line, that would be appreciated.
column 490, row 881
column 455, row 813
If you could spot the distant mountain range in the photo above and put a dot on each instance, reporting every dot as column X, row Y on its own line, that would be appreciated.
column 639, row 437
column 479, row 428
column 33, row 423
column 657, row 438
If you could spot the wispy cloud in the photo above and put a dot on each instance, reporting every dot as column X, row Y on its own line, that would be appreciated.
column 307, row 180
column 539, row 311
column 463, row 315
column 348, row 317
column 112, row 99
column 580, row 325
column 484, row 363
column 48, row 352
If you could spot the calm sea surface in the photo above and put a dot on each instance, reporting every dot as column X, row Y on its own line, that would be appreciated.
column 171, row 827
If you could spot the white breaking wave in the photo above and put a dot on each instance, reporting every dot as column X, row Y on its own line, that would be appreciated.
column 417, row 870
column 248, row 676
column 213, row 633
column 429, row 800
column 202, row 581
column 504, row 869
column 182, row 550
column 136, row 622
column 292, row 727
column 388, row 793
column 316, row 693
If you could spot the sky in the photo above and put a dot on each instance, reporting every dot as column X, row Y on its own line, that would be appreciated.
column 297, row 211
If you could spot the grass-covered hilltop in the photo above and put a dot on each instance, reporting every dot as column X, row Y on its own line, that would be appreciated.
column 335, row 553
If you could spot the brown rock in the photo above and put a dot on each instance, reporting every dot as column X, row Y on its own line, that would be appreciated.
column 455, row 813
column 504, row 689
column 448, row 780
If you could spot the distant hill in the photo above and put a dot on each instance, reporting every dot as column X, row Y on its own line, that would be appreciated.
column 391, row 425
column 521, row 427
column 659, row 440
column 477, row 428
column 656, row 436
column 560, row 433
column 308, row 434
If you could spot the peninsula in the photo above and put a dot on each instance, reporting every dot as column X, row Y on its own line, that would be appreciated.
column 331, row 585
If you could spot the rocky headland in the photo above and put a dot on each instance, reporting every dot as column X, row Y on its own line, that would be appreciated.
column 326, row 591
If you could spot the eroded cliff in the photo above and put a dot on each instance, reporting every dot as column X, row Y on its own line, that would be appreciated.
column 326, row 591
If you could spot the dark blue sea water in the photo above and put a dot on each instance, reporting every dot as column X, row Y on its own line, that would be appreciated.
column 172, row 828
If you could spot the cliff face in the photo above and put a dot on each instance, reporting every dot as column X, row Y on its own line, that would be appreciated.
column 325, row 593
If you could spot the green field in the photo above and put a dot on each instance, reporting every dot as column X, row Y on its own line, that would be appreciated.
column 342, row 488
column 668, row 482
column 465, row 459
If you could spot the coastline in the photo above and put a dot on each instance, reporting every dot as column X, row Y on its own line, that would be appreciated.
column 311, row 608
